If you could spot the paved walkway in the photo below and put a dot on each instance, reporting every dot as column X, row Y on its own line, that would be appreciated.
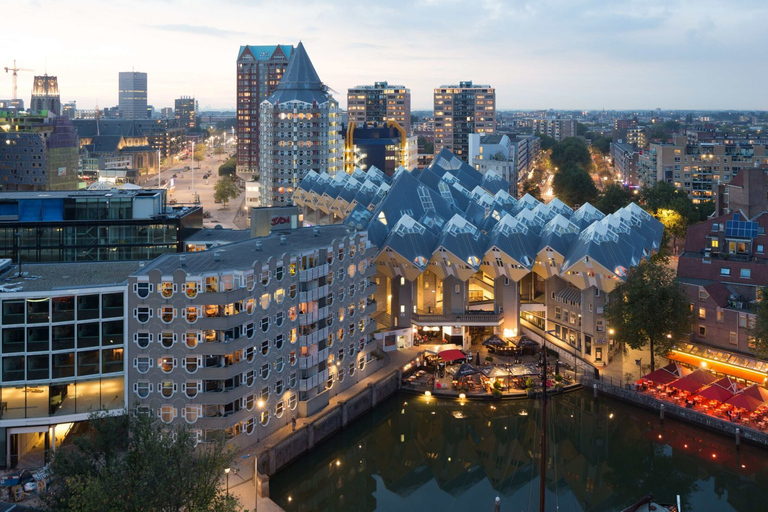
column 241, row 483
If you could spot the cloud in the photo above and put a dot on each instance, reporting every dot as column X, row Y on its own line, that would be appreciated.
column 200, row 30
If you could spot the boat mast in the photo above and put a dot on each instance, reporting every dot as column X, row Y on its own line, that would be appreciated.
column 543, row 456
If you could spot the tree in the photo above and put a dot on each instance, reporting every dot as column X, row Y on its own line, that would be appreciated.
column 612, row 198
column 530, row 187
column 602, row 144
column 760, row 330
column 229, row 167
column 225, row 189
column 650, row 308
column 574, row 186
column 428, row 145
column 134, row 463
column 581, row 129
column 219, row 150
column 199, row 155
column 674, row 223
column 547, row 142
column 571, row 149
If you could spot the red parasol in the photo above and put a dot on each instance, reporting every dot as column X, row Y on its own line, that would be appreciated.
column 669, row 373
column 452, row 355
column 721, row 390
column 694, row 382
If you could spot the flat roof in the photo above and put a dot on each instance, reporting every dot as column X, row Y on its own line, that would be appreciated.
column 242, row 255
column 60, row 194
column 219, row 235
column 60, row 276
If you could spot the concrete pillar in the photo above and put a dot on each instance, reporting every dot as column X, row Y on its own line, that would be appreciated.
column 506, row 298
column 455, row 296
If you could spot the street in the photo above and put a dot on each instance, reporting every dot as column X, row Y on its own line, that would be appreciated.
column 183, row 187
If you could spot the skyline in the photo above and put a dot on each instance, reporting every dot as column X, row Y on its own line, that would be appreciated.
column 637, row 55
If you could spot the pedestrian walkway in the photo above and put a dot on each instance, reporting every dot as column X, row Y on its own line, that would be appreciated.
column 241, row 480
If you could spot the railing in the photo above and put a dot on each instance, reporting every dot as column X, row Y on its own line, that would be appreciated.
column 474, row 317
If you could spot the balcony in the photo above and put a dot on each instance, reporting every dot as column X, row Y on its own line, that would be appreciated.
column 474, row 318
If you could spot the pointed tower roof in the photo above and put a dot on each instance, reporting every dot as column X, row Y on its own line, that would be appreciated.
column 300, row 81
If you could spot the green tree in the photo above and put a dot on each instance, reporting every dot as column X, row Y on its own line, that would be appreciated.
column 650, row 308
column 581, row 129
column 134, row 463
column 219, row 150
column 571, row 149
column 602, row 144
column 547, row 142
column 574, row 186
column 760, row 330
column 229, row 167
column 674, row 223
column 530, row 187
column 225, row 189
column 428, row 145
column 612, row 198
column 199, row 155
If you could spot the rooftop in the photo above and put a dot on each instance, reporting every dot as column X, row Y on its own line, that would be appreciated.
column 60, row 276
column 218, row 234
column 62, row 194
column 242, row 255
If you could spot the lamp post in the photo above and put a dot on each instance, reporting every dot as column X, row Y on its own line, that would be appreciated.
column 226, row 470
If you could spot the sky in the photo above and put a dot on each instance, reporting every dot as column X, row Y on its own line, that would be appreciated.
column 540, row 54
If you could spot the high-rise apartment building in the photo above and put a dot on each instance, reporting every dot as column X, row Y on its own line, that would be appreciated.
column 132, row 101
column 45, row 94
column 259, row 70
column 186, row 112
column 461, row 110
column 380, row 103
column 558, row 129
column 69, row 110
column 298, row 131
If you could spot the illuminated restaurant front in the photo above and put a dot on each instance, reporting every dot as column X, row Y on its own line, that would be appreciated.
column 722, row 362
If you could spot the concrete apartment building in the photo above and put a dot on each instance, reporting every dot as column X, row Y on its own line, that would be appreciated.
column 558, row 129
column 625, row 157
column 459, row 258
column 385, row 147
column 723, row 268
column 132, row 95
column 461, row 110
column 185, row 112
column 379, row 103
column 259, row 70
column 64, row 336
column 511, row 157
column 244, row 337
column 697, row 169
column 299, row 127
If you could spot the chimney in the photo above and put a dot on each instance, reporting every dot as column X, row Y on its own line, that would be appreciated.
column 216, row 255
column 316, row 231
column 258, row 245
column 183, row 260
column 283, row 240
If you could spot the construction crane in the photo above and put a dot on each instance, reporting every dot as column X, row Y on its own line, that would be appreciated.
column 15, row 77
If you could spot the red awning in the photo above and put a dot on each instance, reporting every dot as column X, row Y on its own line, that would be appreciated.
column 758, row 392
column 452, row 355
column 694, row 382
column 669, row 373
column 721, row 390
column 744, row 401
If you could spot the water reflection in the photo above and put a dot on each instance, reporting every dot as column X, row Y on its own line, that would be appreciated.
column 411, row 454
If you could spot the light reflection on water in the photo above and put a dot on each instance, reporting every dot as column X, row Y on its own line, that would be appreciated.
column 410, row 454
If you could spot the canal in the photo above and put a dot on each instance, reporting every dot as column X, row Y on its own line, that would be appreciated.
column 420, row 455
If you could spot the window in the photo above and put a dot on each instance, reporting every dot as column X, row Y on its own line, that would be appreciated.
column 292, row 402
column 279, row 295
column 142, row 364
column 264, row 301
column 192, row 313
column 759, row 249
column 167, row 413
column 279, row 318
column 249, row 306
column 279, row 387
column 142, row 289
column 142, row 339
column 292, row 291
column 361, row 363
column 725, row 271
column 733, row 339
column 351, row 369
column 292, row 358
column 192, row 412
column 248, row 281
column 211, row 284
column 341, row 253
column 167, row 388
column 192, row 363
column 719, row 317
column 279, row 364
column 264, row 418
column 265, row 324
column 279, row 341
column 279, row 273
column 279, row 409
column 702, row 313
column 167, row 363
column 702, row 331
column 142, row 388
column 167, row 313
column 558, row 313
column 265, row 277
column 192, row 338
column 265, row 347
column 264, row 395
column 249, row 329
column 742, row 320
column 703, row 295
column 292, row 380
column 264, row 371
column 745, row 273
column 191, row 388
column 142, row 314
column 166, row 289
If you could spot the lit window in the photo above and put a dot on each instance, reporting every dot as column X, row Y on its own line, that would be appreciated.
column 142, row 388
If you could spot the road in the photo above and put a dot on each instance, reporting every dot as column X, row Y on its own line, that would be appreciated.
column 182, row 189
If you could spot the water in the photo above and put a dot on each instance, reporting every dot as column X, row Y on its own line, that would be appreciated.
column 410, row 454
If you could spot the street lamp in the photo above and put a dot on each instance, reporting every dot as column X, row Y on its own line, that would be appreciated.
column 226, row 470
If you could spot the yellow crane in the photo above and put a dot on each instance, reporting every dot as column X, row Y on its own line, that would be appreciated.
column 15, row 77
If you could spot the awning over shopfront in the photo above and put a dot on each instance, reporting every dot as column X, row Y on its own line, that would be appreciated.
column 452, row 355
column 721, row 361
